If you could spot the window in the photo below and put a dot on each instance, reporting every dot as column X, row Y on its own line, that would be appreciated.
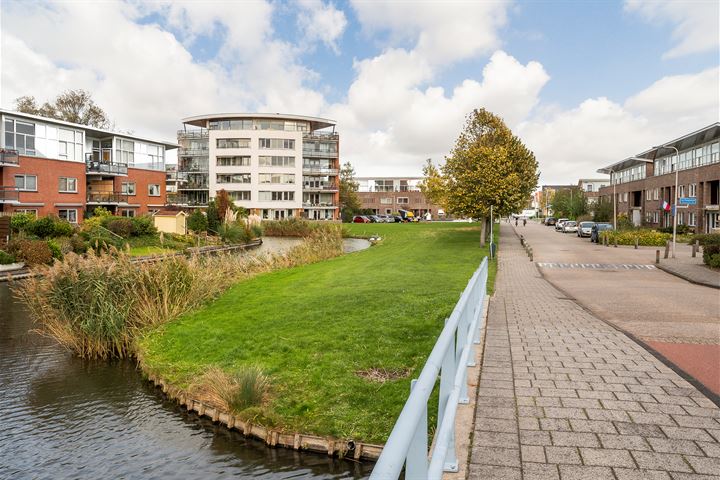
column 233, row 161
column 276, row 196
column 233, row 178
column 681, row 191
column 31, row 211
column 386, row 201
column 277, row 143
column 233, row 143
column 128, row 188
column 656, row 217
column 239, row 195
column 681, row 218
column 589, row 187
column 70, row 143
column 648, row 194
column 276, row 161
column 154, row 190
column 124, row 151
column 127, row 213
column 20, row 136
column 403, row 200
column 68, row 214
column 68, row 185
column 692, row 190
column 27, row 183
column 283, row 178
column 384, row 186
column 691, row 219
column 656, row 195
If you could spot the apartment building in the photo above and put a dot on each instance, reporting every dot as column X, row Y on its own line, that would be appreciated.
column 546, row 198
column 276, row 166
column 385, row 195
column 643, row 186
column 591, row 188
column 48, row 166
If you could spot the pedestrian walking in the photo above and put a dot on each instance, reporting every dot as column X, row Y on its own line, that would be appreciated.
column 524, row 221
column 516, row 221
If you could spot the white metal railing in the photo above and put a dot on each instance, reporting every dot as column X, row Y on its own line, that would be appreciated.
column 453, row 352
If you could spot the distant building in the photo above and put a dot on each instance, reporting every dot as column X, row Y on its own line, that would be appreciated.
column 548, row 192
column 387, row 195
column 643, row 186
column 591, row 188
column 49, row 166
column 274, row 165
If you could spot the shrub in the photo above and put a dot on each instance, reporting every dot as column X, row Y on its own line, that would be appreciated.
column 648, row 238
column 232, row 392
column 62, row 228
column 42, row 227
column 20, row 222
column 197, row 222
column 55, row 249
column 143, row 225
column 711, row 247
column 77, row 244
column 101, row 239
column 231, row 233
column 120, row 226
column 291, row 227
column 681, row 229
column 213, row 216
column 6, row 258
column 32, row 252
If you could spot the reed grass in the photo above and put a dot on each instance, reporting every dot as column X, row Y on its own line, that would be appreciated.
column 232, row 392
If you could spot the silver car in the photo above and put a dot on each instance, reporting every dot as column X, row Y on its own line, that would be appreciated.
column 569, row 226
column 585, row 229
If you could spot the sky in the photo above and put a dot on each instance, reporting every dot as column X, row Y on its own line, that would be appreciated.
column 583, row 84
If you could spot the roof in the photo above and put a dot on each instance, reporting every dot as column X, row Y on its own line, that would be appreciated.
column 698, row 137
column 389, row 178
column 316, row 123
column 93, row 131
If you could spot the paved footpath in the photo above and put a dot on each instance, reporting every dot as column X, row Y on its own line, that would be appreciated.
column 563, row 395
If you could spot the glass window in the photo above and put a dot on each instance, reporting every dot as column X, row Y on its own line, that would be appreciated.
column 239, row 195
column 277, row 143
column 68, row 214
column 26, row 183
column 233, row 178
column 403, row 200
column 127, row 213
column 233, row 161
column 277, row 178
column 233, row 143
column 276, row 161
column 154, row 190
column 68, row 185
column 276, row 196
column 127, row 188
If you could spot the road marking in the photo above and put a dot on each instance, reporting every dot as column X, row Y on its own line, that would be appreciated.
column 598, row 266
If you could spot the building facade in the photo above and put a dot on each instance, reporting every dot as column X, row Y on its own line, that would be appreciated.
column 591, row 188
column 643, row 186
column 276, row 166
column 49, row 166
column 546, row 198
column 387, row 195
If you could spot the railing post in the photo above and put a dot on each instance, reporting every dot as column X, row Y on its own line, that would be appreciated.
column 416, row 462
column 447, row 374
column 462, row 334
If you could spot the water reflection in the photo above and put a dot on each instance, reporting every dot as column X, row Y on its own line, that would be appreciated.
column 63, row 417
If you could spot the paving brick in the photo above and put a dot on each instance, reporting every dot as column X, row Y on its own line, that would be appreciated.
column 602, row 395
column 483, row 402
column 692, row 476
column 687, row 433
column 686, row 447
column 636, row 474
column 570, row 472
column 703, row 412
column 533, row 437
column 528, row 423
column 496, row 425
column 580, row 403
column 495, row 439
column 711, row 449
column 705, row 465
column 670, row 462
column 531, row 412
column 652, row 418
column 539, row 471
column 499, row 412
column 503, row 457
column 622, row 405
column 697, row 422
column 548, row 402
column 483, row 472
column 625, row 428
column 559, row 412
column 564, row 455
column 594, row 426
column 532, row 453
column 628, row 442
column 615, row 415
column 606, row 457
column 555, row 424
column 574, row 439
column 663, row 408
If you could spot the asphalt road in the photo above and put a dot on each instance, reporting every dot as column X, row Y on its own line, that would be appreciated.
column 678, row 319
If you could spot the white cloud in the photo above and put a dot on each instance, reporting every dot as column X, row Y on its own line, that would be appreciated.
column 322, row 22
column 696, row 23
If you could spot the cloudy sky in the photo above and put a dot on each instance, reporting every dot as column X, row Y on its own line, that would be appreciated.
column 583, row 84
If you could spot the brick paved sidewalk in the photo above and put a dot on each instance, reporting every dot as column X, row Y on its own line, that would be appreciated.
column 563, row 395
column 692, row 272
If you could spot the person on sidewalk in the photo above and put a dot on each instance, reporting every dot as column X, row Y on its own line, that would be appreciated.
column 516, row 221
column 524, row 221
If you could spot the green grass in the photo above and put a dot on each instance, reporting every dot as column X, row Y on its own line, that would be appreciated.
column 150, row 250
column 312, row 328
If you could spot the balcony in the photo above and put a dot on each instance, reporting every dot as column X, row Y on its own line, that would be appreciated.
column 107, row 198
column 9, row 158
column 321, row 136
column 193, row 152
column 325, row 170
column 320, row 188
column 192, row 134
column 185, row 200
column 93, row 167
column 193, row 186
column 319, row 205
column 320, row 154
column 9, row 195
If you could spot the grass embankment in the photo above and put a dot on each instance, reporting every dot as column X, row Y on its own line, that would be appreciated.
column 325, row 333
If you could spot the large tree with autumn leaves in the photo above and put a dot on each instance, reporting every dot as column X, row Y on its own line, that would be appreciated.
column 489, row 166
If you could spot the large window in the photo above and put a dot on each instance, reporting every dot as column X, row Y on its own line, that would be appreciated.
column 259, row 124
column 124, row 151
column 277, row 143
column 403, row 200
column 386, row 201
column 384, row 185
column 20, row 136
column 233, row 178
column 692, row 190
column 70, row 145
column 27, row 183
column 127, row 188
column 277, row 178
column 239, row 195
column 127, row 213
column 154, row 190
column 276, row 196
column 233, row 143
column 276, row 161
column 69, row 214
column 233, row 161
column 68, row 185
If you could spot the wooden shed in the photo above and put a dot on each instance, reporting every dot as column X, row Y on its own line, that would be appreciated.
column 171, row 222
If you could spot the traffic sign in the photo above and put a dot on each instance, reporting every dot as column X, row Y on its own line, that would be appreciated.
column 688, row 201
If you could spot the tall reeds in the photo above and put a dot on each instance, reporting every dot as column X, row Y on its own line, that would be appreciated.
column 97, row 305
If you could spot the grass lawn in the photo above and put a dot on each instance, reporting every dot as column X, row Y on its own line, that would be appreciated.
column 149, row 250
column 312, row 328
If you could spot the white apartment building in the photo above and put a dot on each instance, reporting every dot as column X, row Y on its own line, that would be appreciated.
column 276, row 166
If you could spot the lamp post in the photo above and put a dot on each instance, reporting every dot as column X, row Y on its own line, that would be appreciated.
column 677, row 164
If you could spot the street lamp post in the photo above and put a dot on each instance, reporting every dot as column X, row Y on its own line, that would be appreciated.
column 675, row 206
column 614, row 180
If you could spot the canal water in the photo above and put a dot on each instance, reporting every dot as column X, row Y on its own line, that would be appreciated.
column 66, row 418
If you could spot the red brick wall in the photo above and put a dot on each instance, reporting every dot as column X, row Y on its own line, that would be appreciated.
column 417, row 201
column 143, row 178
column 48, row 173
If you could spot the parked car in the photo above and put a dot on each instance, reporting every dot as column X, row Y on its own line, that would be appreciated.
column 550, row 221
column 596, row 229
column 388, row 218
column 569, row 226
column 397, row 218
column 559, row 224
column 585, row 229
column 361, row 219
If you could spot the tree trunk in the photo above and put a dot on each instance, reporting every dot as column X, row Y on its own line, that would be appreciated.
column 483, row 230
column 487, row 230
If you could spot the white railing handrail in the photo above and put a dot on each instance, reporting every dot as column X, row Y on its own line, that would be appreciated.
column 407, row 443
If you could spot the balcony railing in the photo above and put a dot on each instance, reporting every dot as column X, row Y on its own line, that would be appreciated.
column 321, row 136
column 9, row 194
column 9, row 157
column 186, row 200
column 107, row 198
column 320, row 188
column 193, row 186
column 106, row 168
column 193, row 152
column 319, row 205
column 318, row 153
column 313, row 169
column 192, row 134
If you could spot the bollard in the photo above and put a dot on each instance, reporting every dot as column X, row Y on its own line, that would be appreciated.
column 695, row 248
column 615, row 242
column 522, row 240
column 667, row 248
column 657, row 256
column 636, row 243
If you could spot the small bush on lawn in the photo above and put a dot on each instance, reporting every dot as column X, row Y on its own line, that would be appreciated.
column 32, row 252
column 681, row 230
column 55, row 249
column 143, row 225
column 100, row 239
column 648, row 238
column 197, row 222
column 713, row 260
column 6, row 258
column 711, row 247
column 42, row 227
column 62, row 228
column 120, row 226
column 77, row 244
column 20, row 222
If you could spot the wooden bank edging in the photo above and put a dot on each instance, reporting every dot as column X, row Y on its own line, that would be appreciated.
column 273, row 438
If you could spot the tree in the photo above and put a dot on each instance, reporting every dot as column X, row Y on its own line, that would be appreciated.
column 432, row 185
column 603, row 210
column 197, row 222
column 76, row 106
column 213, row 216
column 489, row 166
column 349, row 199
column 223, row 202
column 570, row 202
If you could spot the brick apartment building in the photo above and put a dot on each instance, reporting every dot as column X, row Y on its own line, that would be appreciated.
column 643, row 186
column 48, row 166
column 384, row 195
